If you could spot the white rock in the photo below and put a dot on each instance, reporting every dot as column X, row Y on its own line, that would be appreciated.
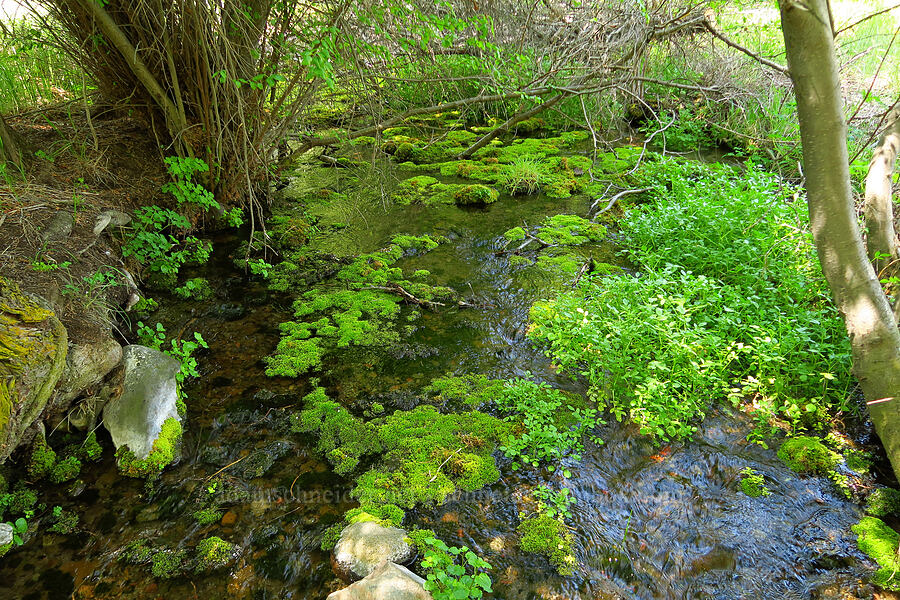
column 149, row 397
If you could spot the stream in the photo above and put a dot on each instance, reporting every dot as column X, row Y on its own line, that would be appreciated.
column 650, row 521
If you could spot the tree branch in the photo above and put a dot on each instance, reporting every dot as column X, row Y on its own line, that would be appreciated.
column 780, row 68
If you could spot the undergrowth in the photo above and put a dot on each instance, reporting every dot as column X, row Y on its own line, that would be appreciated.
column 730, row 306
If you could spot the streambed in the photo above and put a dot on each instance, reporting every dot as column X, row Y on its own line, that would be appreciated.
column 650, row 521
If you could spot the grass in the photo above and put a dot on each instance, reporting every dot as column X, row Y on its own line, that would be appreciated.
column 32, row 72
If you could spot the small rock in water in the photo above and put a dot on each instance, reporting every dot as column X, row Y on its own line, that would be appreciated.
column 362, row 546
column 229, row 519
column 227, row 311
column 388, row 581
column 6, row 534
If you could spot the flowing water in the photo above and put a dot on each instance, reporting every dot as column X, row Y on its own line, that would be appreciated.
column 650, row 521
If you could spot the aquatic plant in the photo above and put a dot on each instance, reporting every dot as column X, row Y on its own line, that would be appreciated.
column 807, row 455
column 554, row 504
column 454, row 573
column 753, row 484
column 524, row 176
column 553, row 424
column 196, row 288
column 543, row 534
column 879, row 542
column 705, row 320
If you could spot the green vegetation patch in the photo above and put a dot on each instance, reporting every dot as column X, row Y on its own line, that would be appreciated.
column 423, row 455
column 475, row 391
column 359, row 307
column 161, row 455
column 543, row 534
column 213, row 553
column 706, row 320
column 880, row 542
column 808, row 455
column 569, row 230
column 753, row 484
column 883, row 502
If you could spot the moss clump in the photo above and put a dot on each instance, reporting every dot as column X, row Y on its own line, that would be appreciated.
column 387, row 515
column 212, row 553
column 414, row 189
column 566, row 264
column 167, row 564
column 343, row 438
column 66, row 470
column 807, row 455
column 475, row 194
column 516, row 234
column 362, row 311
column 753, row 484
column 207, row 516
column 474, row 391
column 19, row 501
column 883, row 502
column 549, row 536
column 531, row 125
column 42, row 458
column 65, row 522
column 330, row 536
column 161, row 455
column 90, row 449
column 569, row 230
column 879, row 542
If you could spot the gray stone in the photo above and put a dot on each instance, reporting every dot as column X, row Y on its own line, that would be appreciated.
column 149, row 396
column 362, row 547
column 59, row 227
column 111, row 217
column 6, row 534
column 86, row 366
column 387, row 582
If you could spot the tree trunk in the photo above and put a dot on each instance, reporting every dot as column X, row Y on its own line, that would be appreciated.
column 881, row 237
column 11, row 147
column 873, row 332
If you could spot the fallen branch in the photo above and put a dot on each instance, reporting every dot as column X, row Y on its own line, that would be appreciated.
column 615, row 199
column 511, row 122
column 396, row 288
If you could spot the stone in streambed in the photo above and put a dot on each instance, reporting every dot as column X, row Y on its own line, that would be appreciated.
column 363, row 546
column 388, row 581
column 148, row 401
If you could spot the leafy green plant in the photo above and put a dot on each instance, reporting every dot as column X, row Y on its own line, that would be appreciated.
column 183, row 187
column 154, row 337
column 753, row 484
column 159, row 243
column 555, row 503
column 20, row 527
column 197, row 288
column 553, row 424
column 183, row 350
column 524, row 176
column 454, row 573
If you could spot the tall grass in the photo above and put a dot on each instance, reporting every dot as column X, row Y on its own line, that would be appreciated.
column 33, row 73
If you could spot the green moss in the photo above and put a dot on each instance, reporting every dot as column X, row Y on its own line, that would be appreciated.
column 516, row 234
column 90, row 449
column 807, row 455
column 167, row 564
column 19, row 501
column 531, row 125
column 66, row 470
column 361, row 311
column 137, row 552
column 475, row 194
column 883, row 502
column 387, row 515
column 516, row 260
column 413, row 190
column 567, row 264
column 42, row 458
column 343, row 438
column 426, row 457
column 416, row 538
column 549, row 536
column 5, row 548
column 161, row 455
column 753, row 484
column 206, row 516
column 879, row 542
column 64, row 523
column 475, row 391
column 212, row 553
column 569, row 230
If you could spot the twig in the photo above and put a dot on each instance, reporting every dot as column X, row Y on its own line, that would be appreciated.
column 780, row 68
column 225, row 467
column 615, row 198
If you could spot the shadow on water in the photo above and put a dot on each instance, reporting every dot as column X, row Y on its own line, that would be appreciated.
column 650, row 522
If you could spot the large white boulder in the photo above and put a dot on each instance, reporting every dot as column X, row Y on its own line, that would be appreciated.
column 149, row 397
column 387, row 582
column 362, row 547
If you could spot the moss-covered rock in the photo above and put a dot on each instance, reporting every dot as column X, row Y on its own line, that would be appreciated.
column 42, row 457
column 753, row 484
column 808, row 455
column 883, row 502
column 65, row 470
column 162, row 454
column 475, row 194
column 880, row 542
column 33, row 346
column 543, row 534
column 212, row 553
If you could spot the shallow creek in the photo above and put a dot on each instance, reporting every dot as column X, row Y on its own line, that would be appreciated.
column 650, row 521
